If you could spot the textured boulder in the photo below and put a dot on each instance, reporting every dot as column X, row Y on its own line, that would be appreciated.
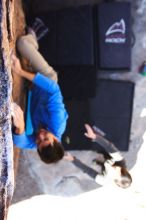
column 6, row 146
column 9, row 30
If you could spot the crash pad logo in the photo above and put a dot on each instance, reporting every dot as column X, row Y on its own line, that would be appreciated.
column 116, row 33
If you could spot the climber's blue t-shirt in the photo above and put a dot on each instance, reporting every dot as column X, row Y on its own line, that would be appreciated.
column 47, row 111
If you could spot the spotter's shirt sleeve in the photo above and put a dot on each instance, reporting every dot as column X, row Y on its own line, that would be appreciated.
column 24, row 141
column 110, row 148
column 86, row 169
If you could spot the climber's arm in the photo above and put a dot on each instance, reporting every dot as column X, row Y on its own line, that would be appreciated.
column 17, row 69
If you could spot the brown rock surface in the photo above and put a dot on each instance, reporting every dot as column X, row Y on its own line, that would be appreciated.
column 7, row 42
column 17, row 25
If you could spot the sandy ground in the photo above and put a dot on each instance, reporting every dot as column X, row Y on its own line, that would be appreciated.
column 108, row 202
column 43, row 199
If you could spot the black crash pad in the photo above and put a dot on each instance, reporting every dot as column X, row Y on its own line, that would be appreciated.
column 110, row 110
column 71, row 36
column 69, row 48
column 114, row 35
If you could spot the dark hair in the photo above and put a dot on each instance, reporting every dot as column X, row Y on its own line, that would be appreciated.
column 51, row 153
column 120, row 163
column 126, row 178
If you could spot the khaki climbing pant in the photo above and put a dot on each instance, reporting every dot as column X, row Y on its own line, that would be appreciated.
column 28, row 48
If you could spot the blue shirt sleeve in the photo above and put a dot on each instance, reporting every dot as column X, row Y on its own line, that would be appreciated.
column 24, row 141
column 54, row 112
column 45, row 83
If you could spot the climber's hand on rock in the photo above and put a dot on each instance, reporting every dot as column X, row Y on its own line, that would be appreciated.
column 16, row 65
column 16, row 68
column 18, row 118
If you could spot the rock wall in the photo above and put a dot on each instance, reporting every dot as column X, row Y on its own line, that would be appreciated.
column 18, row 91
column 9, row 30
column 6, row 145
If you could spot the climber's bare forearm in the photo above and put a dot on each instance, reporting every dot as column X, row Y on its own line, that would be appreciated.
column 27, row 75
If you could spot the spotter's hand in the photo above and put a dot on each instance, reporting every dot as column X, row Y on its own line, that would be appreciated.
column 68, row 156
column 90, row 132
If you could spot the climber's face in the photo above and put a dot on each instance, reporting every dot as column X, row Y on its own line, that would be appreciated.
column 45, row 138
